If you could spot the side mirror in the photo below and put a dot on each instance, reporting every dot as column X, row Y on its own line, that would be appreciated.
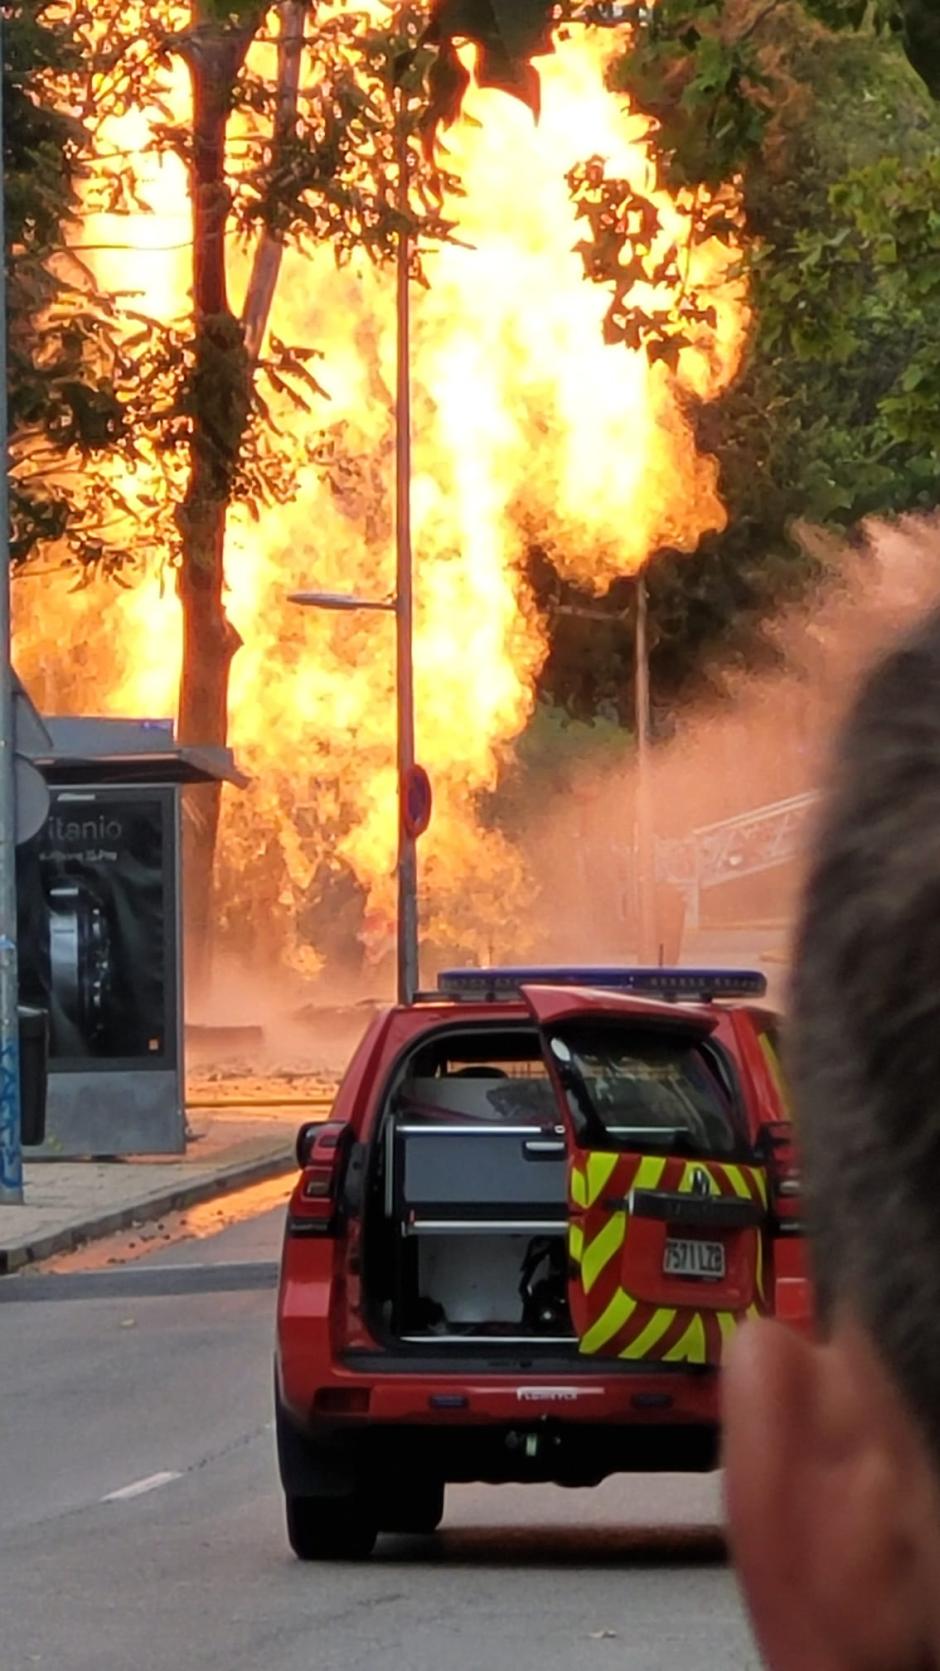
column 305, row 1140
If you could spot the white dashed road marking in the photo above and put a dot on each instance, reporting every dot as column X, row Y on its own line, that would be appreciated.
column 139, row 1487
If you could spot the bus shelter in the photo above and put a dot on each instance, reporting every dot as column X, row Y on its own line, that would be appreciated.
column 100, row 932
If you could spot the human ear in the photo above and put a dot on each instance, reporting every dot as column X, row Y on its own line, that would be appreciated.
column 823, row 1523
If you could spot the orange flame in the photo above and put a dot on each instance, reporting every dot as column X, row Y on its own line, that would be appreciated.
column 526, row 426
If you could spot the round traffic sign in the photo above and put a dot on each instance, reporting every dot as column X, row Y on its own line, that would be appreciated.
column 416, row 801
column 32, row 799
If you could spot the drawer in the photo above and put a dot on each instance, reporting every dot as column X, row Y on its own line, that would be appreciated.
column 481, row 1174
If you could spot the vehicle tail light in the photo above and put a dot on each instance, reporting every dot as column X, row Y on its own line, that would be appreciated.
column 313, row 1205
column 783, row 1174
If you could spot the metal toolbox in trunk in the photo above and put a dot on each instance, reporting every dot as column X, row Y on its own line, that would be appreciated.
column 497, row 1177
column 475, row 1201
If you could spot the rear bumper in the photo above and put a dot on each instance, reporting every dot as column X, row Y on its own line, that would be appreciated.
column 470, row 1414
column 339, row 1458
column 371, row 1392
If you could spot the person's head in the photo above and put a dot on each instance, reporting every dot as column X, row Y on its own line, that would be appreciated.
column 833, row 1443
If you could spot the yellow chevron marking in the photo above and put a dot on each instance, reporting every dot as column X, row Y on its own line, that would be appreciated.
column 760, row 1178
column 575, row 1242
column 599, row 1169
column 605, row 1246
column 648, row 1337
column 612, row 1318
column 775, row 1070
column 737, row 1180
column 691, row 1348
column 577, row 1187
column 728, row 1324
column 649, row 1172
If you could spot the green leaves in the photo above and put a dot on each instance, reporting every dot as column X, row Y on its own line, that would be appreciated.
column 626, row 250
column 507, row 34
column 524, row 26
column 704, row 84
column 92, row 380
column 917, row 21
column 811, row 106
column 64, row 357
column 847, row 14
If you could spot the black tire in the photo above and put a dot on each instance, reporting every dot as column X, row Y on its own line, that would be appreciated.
column 418, row 1509
column 330, row 1528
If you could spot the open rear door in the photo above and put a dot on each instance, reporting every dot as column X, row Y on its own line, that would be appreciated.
column 667, row 1212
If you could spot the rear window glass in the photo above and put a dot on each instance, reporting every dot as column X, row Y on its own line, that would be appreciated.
column 513, row 1098
column 642, row 1091
column 491, row 1077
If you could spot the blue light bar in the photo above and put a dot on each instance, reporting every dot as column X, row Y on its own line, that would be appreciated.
column 645, row 983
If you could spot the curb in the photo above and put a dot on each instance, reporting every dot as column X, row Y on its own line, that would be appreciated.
column 237, row 1175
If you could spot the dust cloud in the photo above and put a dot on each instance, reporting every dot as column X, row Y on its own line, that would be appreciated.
column 759, row 742
column 282, row 1027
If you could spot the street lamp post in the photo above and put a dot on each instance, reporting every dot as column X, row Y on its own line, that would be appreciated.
column 411, row 820
column 11, row 1151
column 407, row 864
column 645, row 840
column 404, row 633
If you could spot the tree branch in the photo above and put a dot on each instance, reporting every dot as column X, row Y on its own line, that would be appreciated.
column 267, row 262
column 755, row 23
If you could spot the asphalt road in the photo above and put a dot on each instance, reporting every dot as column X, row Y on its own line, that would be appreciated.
column 140, row 1516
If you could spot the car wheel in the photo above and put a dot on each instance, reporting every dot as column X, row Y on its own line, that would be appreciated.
column 330, row 1528
column 419, row 1509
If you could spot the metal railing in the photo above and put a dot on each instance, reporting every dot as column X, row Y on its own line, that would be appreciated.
column 745, row 845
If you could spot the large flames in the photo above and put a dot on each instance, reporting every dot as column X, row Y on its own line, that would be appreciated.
column 526, row 427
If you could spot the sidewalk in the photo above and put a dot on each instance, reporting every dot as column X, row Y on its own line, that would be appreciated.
column 231, row 1146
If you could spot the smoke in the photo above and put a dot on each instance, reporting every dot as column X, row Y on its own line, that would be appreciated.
column 759, row 741
column 252, row 1026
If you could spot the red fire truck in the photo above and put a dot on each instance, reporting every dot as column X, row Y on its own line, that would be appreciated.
column 544, row 1201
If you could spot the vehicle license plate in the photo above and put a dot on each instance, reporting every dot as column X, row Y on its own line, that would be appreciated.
column 688, row 1256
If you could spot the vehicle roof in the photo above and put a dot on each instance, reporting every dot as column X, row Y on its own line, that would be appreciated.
column 517, row 994
column 397, row 1028
column 432, row 1007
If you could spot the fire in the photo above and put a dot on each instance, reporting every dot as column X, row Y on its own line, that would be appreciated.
column 525, row 426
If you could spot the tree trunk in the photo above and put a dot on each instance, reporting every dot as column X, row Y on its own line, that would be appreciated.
column 219, row 396
column 209, row 643
column 225, row 353
column 267, row 262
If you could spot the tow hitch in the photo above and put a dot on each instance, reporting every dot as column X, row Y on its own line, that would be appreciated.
column 532, row 1443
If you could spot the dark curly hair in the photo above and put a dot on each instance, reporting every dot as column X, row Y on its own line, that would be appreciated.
column 864, row 1035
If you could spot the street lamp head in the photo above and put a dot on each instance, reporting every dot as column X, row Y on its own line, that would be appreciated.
column 341, row 601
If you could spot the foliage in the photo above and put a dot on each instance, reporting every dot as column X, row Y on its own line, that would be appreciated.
column 625, row 250
column 801, row 116
column 833, row 145
column 507, row 35
column 822, row 425
column 66, row 353
column 556, row 752
column 91, row 377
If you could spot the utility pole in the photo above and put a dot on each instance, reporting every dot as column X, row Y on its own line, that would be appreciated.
column 645, row 858
column 414, row 790
column 11, row 1151
column 404, row 637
